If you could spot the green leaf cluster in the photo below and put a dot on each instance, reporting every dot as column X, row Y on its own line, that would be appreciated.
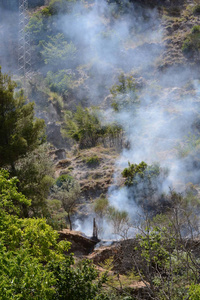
column 124, row 94
column 59, row 82
column 135, row 173
column 57, row 51
column 32, row 261
column 191, row 44
column 85, row 127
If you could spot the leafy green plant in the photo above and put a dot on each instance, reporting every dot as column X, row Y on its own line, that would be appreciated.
column 192, row 42
column 125, row 93
column 92, row 161
column 195, row 29
column 59, row 82
column 135, row 173
column 57, row 51
column 33, row 264
column 67, row 190
column 35, row 173
column 84, row 127
column 56, row 216
column 20, row 131
column 64, row 179
column 196, row 9
column 194, row 292
column 81, row 282
column 144, row 184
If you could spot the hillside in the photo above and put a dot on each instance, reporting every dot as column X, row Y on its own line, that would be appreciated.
column 117, row 85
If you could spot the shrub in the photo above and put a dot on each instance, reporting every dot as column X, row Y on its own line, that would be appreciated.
column 124, row 93
column 196, row 10
column 92, row 161
column 187, row 46
column 59, row 82
column 144, row 183
column 195, row 29
column 65, row 178
column 56, row 51
column 84, row 127
column 191, row 44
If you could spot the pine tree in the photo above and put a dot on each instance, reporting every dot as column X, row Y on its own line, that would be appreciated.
column 20, row 131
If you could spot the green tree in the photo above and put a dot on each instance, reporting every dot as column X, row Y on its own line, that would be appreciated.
column 57, row 52
column 125, row 93
column 35, row 174
column 84, row 127
column 20, row 131
column 191, row 45
column 32, row 261
column 22, row 276
column 120, row 221
column 68, row 191
column 165, row 255
column 144, row 182
column 77, row 283
column 60, row 82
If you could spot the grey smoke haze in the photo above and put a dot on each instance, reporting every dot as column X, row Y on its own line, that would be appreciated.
column 108, row 44
column 8, row 40
column 133, row 43
column 154, row 132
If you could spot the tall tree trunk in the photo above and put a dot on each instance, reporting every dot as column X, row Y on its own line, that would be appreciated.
column 70, row 222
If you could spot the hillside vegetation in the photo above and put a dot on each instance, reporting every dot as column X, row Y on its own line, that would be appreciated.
column 101, row 136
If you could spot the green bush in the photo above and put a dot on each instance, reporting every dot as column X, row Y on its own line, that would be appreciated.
column 92, row 161
column 196, row 10
column 191, row 44
column 195, row 29
column 144, row 182
column 187, row 46
column 83, row 126
column 33, row 263
column 65, row 178
column 57, row 51
column 59, row 82
column 125, row 93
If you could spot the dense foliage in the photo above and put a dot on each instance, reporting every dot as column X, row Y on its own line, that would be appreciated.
column 124, row 94
column 33, row 264
column 20, row 131
column 85, row 127
column 144, row 183
column 164, row 257
column 191, row 45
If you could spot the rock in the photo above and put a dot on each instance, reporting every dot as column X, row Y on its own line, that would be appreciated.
column 60, row 154
column 54, row 136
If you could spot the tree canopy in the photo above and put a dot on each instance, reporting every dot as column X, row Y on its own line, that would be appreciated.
column 20, row 131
